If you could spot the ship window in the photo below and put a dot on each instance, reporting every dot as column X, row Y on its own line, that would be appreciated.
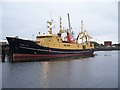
column 68, row 45
column 64, row 44
column 84, row 47
column 90, row 44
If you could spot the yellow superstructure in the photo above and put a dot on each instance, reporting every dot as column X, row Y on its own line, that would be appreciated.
column 55, row 41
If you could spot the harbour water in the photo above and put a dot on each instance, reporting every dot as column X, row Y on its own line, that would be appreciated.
column 100, row 71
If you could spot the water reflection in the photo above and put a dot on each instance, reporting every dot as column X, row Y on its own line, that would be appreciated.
column 45, row 73
column 99, row 71
column 59, row 73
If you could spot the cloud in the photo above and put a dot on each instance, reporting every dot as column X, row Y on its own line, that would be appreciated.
column 26, row 19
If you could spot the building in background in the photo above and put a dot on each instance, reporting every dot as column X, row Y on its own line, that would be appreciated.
column 108, row 43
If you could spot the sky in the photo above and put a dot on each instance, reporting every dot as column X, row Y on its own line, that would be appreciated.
column 25, row 18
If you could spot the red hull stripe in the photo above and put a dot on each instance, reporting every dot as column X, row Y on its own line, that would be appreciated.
column 47, row 55
column 22, row 57
column 42, row 55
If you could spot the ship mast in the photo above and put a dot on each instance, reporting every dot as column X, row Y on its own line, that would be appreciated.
column 62, row 30
column 60, row 25
column 50, row 24
column 84, row 35
column 81, row 32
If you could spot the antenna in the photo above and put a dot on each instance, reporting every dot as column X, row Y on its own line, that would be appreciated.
column 81, row 26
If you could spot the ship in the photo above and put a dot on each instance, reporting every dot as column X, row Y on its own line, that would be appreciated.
column 49, row 46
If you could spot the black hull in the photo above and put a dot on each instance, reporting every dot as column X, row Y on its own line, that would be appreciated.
column 27, row 49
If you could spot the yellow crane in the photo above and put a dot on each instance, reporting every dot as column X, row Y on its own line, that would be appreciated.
column 84, row 35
